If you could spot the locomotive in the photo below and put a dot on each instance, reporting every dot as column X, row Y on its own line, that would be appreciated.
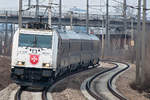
column 39, row 56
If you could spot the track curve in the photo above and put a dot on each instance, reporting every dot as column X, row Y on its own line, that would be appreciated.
column 109, row 82
column 44, row 94
column 18, row 93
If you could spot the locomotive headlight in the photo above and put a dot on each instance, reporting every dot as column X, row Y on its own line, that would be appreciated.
column 20, row 63
column 46, row 65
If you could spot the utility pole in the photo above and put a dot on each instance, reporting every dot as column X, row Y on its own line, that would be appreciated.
column 143, row 41
column 1, row 46
column 3, row 43
column 10, row 39
column 71, row 19
column 11, row 34
column 14, row 28
column 103, row 42
column 132, row 39
column 29, row 3
column 20, row 14
column 60, row 13
column 6, row 35
column 37, row 10
column 87, row 18
column 107, row 26
column 132, row 28
column 125, row 21
column 49, row 14
column 138, row 45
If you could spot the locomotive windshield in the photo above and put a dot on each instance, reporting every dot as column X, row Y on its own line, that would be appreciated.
column 38, row 41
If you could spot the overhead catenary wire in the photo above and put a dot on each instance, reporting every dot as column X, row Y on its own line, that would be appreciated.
column 134, row 7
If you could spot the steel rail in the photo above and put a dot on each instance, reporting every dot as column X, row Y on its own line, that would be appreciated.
column 109, row 82
column 88, row 84
column 18, row 93
column 45, row 90
column 44, row 93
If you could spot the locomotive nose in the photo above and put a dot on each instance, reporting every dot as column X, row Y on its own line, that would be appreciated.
column 34, row 57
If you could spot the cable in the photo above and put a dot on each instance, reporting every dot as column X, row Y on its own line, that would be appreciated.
column 97, row 5
column 133, row 7
column 104, row 6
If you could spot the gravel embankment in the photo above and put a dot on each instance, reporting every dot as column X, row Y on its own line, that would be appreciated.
column 4, row 72
column 124, row 86
column 5, row 94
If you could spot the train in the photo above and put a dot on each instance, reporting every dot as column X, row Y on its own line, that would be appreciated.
column 41, row 55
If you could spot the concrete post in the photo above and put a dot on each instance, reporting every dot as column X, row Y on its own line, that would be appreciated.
column 20, row 14
column 87, row 18
column 49, row 14
column 138, row 42
column 37, row 10
column 71, row 20
column 125, row 22
column 6, row 35
column 107, row 39
column 142, row 76
column 103, row 41
column 60, row 13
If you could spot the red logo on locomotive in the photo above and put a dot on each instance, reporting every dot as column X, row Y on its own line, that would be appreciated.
column 34, row 59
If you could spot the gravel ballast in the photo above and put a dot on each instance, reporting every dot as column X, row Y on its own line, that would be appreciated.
column 124, row 82
column 69, row 88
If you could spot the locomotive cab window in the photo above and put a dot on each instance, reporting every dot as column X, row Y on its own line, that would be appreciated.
column 37, row 41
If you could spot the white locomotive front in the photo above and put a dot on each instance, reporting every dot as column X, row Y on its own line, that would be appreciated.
column 39, row 56
column 33, row 58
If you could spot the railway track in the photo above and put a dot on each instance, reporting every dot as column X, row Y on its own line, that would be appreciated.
column 88, row 84
column 45, row 90
column 18, row 93
column 109, row 82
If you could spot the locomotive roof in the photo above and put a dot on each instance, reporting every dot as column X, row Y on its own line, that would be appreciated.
column 73, row 35
column 35, row 31
column 63, row 34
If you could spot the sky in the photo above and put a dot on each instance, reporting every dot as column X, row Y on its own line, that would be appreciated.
column 67, row 4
